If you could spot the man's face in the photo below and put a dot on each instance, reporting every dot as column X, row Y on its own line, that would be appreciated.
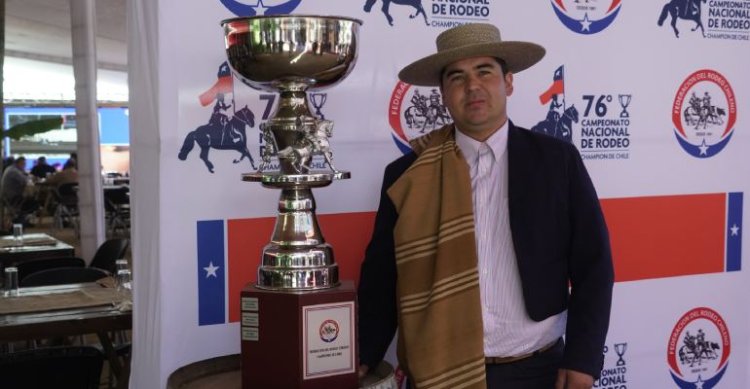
column 475, row 92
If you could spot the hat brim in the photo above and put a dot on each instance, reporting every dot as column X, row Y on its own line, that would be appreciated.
column 427, row 71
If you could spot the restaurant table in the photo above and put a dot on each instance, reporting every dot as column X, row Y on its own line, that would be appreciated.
column 68, row 310
column 34, row 246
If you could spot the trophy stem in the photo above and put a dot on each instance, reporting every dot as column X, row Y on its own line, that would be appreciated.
column 297, row 258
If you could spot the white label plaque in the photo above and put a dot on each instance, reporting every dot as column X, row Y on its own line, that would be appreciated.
column 328, row 339
column 250, row 333
column 250, row 304
column 249, row 319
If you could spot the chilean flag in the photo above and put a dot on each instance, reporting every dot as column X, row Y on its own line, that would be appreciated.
column 557, row 87
column 651, row 237
column 229, row 254
column 223, row 85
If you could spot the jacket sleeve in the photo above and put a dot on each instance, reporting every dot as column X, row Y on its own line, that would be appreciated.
column 376, row 292
column 591, row 274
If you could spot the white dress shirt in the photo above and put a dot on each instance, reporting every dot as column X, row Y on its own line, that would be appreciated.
column 508, row 329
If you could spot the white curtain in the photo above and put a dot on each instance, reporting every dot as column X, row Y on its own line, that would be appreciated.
column 143, row 51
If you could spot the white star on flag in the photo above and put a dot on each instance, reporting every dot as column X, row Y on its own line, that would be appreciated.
column 585, row 23
column 735, row 230
column 211, row 270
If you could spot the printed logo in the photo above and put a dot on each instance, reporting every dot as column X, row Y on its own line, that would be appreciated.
column 614, row 373
column 228, row 122
column 560, row 118
column 415, row 111
column 698, row 349
column 222, row 132
column 586, row 16
column 443, row 13
column 329, row 331
column 728, row 20
column 260, row 7
column 605, row 120
column 704, row 113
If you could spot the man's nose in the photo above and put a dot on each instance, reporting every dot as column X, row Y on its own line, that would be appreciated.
column 472, row 83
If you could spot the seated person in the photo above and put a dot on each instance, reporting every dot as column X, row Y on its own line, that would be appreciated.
column 14, row 183
column 68, row 175
column 42, row 169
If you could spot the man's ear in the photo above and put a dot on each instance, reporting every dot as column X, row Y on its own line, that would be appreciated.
column 508, row 84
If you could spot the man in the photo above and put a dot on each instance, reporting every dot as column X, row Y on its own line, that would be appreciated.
column 42, row 169
column 479, row 234
column 14, row 183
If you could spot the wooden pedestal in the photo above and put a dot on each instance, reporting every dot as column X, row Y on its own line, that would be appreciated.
column 304, row 340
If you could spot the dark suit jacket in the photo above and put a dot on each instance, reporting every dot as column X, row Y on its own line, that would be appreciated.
column 559, row 236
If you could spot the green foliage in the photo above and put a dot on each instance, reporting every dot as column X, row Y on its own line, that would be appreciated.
column 33, row 127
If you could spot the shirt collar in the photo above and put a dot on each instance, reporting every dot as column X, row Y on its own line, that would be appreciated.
column 498, row 143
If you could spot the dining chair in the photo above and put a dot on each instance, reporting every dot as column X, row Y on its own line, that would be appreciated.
column 63, row 275
column 117, row 207
column 109, row 252
column 66, row 211
column 30, row 267
column 53, row 367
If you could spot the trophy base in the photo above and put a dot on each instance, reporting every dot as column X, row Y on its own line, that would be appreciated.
column 314, row 179
column 302, row 340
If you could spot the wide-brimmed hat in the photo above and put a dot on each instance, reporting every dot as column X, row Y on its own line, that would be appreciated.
column 466, row 41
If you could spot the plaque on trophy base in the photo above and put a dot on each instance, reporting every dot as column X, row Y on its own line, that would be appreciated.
column 299, row 340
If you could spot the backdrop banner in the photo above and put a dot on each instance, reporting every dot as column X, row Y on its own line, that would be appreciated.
column 655, row 96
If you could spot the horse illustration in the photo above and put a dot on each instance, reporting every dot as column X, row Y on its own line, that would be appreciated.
column 231, row 136
column 417, row 4
column 683, row 9
column 561, row 128
column 431, row 115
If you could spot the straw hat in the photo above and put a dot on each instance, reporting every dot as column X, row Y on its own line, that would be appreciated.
column 466, row 41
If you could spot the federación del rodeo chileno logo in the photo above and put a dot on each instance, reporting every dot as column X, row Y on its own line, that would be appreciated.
column 415, row 111
column 704, row 113
column 329, row 331
column 728, row 20
column 433, row 13
column 586, row 16
column 260, row 7
column 698, row 349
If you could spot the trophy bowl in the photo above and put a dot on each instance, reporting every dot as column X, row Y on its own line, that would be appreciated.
column 271, row 52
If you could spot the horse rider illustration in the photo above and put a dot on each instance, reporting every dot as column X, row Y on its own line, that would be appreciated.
column 221, row 120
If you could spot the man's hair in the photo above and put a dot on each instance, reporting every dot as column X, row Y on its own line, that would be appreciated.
column 20, row 159
column 500, row 61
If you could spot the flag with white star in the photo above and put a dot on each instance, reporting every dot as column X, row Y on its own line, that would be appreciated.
column 211, row 279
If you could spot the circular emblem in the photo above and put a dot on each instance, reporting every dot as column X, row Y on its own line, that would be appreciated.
column 415, row 111
column 586, row 17
column 260, row 7
column 698, row 349
column 329, row 331
column 704, row 113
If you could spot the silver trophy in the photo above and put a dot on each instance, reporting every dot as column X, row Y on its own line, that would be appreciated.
column 291, row 55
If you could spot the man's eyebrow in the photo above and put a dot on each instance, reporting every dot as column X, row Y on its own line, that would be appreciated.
column 484, row 65
column 451, row 72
